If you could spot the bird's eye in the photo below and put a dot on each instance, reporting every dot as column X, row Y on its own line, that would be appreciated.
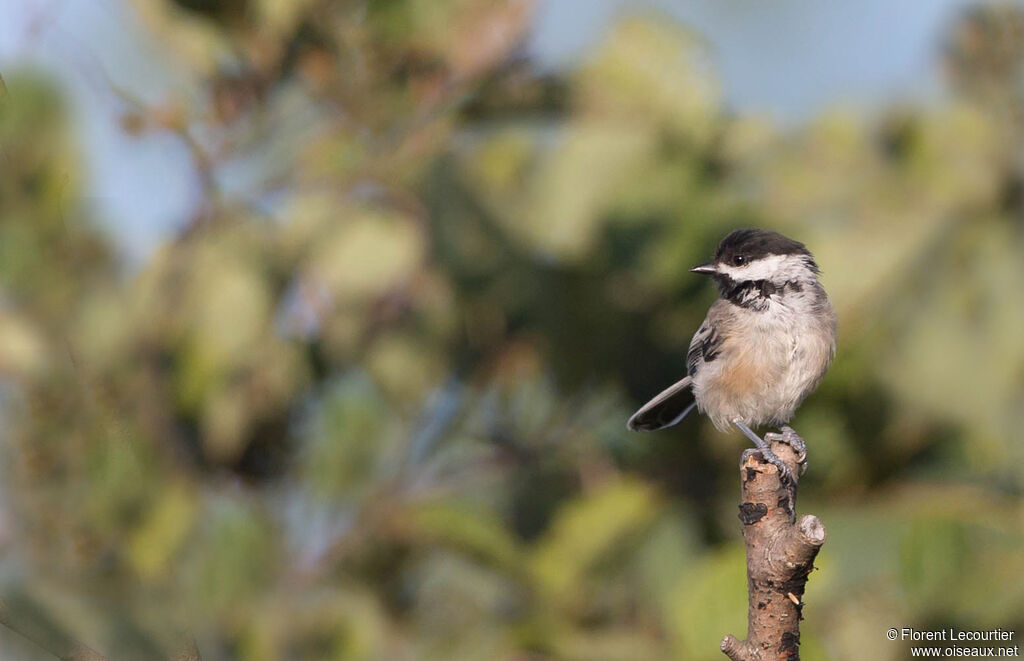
column 739, row 260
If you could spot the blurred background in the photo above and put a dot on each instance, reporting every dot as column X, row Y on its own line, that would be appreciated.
column 320, row 321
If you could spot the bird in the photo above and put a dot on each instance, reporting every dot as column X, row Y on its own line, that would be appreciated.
column 763, row 347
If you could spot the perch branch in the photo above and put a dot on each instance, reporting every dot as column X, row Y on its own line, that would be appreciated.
column 780, row 555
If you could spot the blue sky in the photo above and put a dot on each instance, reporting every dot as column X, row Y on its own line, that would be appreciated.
column 785, row 58
column 788, row 59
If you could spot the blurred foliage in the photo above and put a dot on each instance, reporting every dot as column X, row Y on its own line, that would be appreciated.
column 369, row 403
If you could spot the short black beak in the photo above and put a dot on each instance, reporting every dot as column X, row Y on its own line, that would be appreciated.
column 704, row 268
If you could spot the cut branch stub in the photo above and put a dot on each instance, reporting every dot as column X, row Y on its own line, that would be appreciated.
column 780, row 555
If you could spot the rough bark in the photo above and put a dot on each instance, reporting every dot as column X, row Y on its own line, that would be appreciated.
column 780, row 555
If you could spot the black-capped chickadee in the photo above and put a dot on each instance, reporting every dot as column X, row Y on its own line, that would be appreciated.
column 763, row 347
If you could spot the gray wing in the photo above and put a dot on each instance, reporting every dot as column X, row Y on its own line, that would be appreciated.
column 706, row 344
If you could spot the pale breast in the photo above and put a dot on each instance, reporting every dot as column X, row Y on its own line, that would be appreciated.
column 767, row 363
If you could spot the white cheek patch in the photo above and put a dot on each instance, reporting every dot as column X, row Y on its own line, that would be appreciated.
column 779, row 268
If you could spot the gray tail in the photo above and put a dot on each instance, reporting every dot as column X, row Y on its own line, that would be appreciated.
column 665, row 410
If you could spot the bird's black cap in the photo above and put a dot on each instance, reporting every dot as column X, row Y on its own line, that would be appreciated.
column 757, row 243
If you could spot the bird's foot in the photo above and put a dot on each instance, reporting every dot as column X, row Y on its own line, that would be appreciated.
column 764, row 448
column 785, row 476
column 762, row 455
column 793, row 440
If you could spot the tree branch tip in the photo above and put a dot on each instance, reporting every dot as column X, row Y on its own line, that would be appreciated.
column 812, row 529
column 734, row 648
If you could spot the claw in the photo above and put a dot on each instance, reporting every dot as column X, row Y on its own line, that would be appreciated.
column 763, row 454
column 792, row 439
column 749, row 452
column 764, row 446
column 784, row 475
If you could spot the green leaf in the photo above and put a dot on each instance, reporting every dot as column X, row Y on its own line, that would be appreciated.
column 473, row 530
column 162, row 533
column 584, row 531
column 708, row 602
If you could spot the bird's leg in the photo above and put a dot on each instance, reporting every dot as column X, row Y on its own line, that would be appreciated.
column 791, row 438
column 766, row 451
